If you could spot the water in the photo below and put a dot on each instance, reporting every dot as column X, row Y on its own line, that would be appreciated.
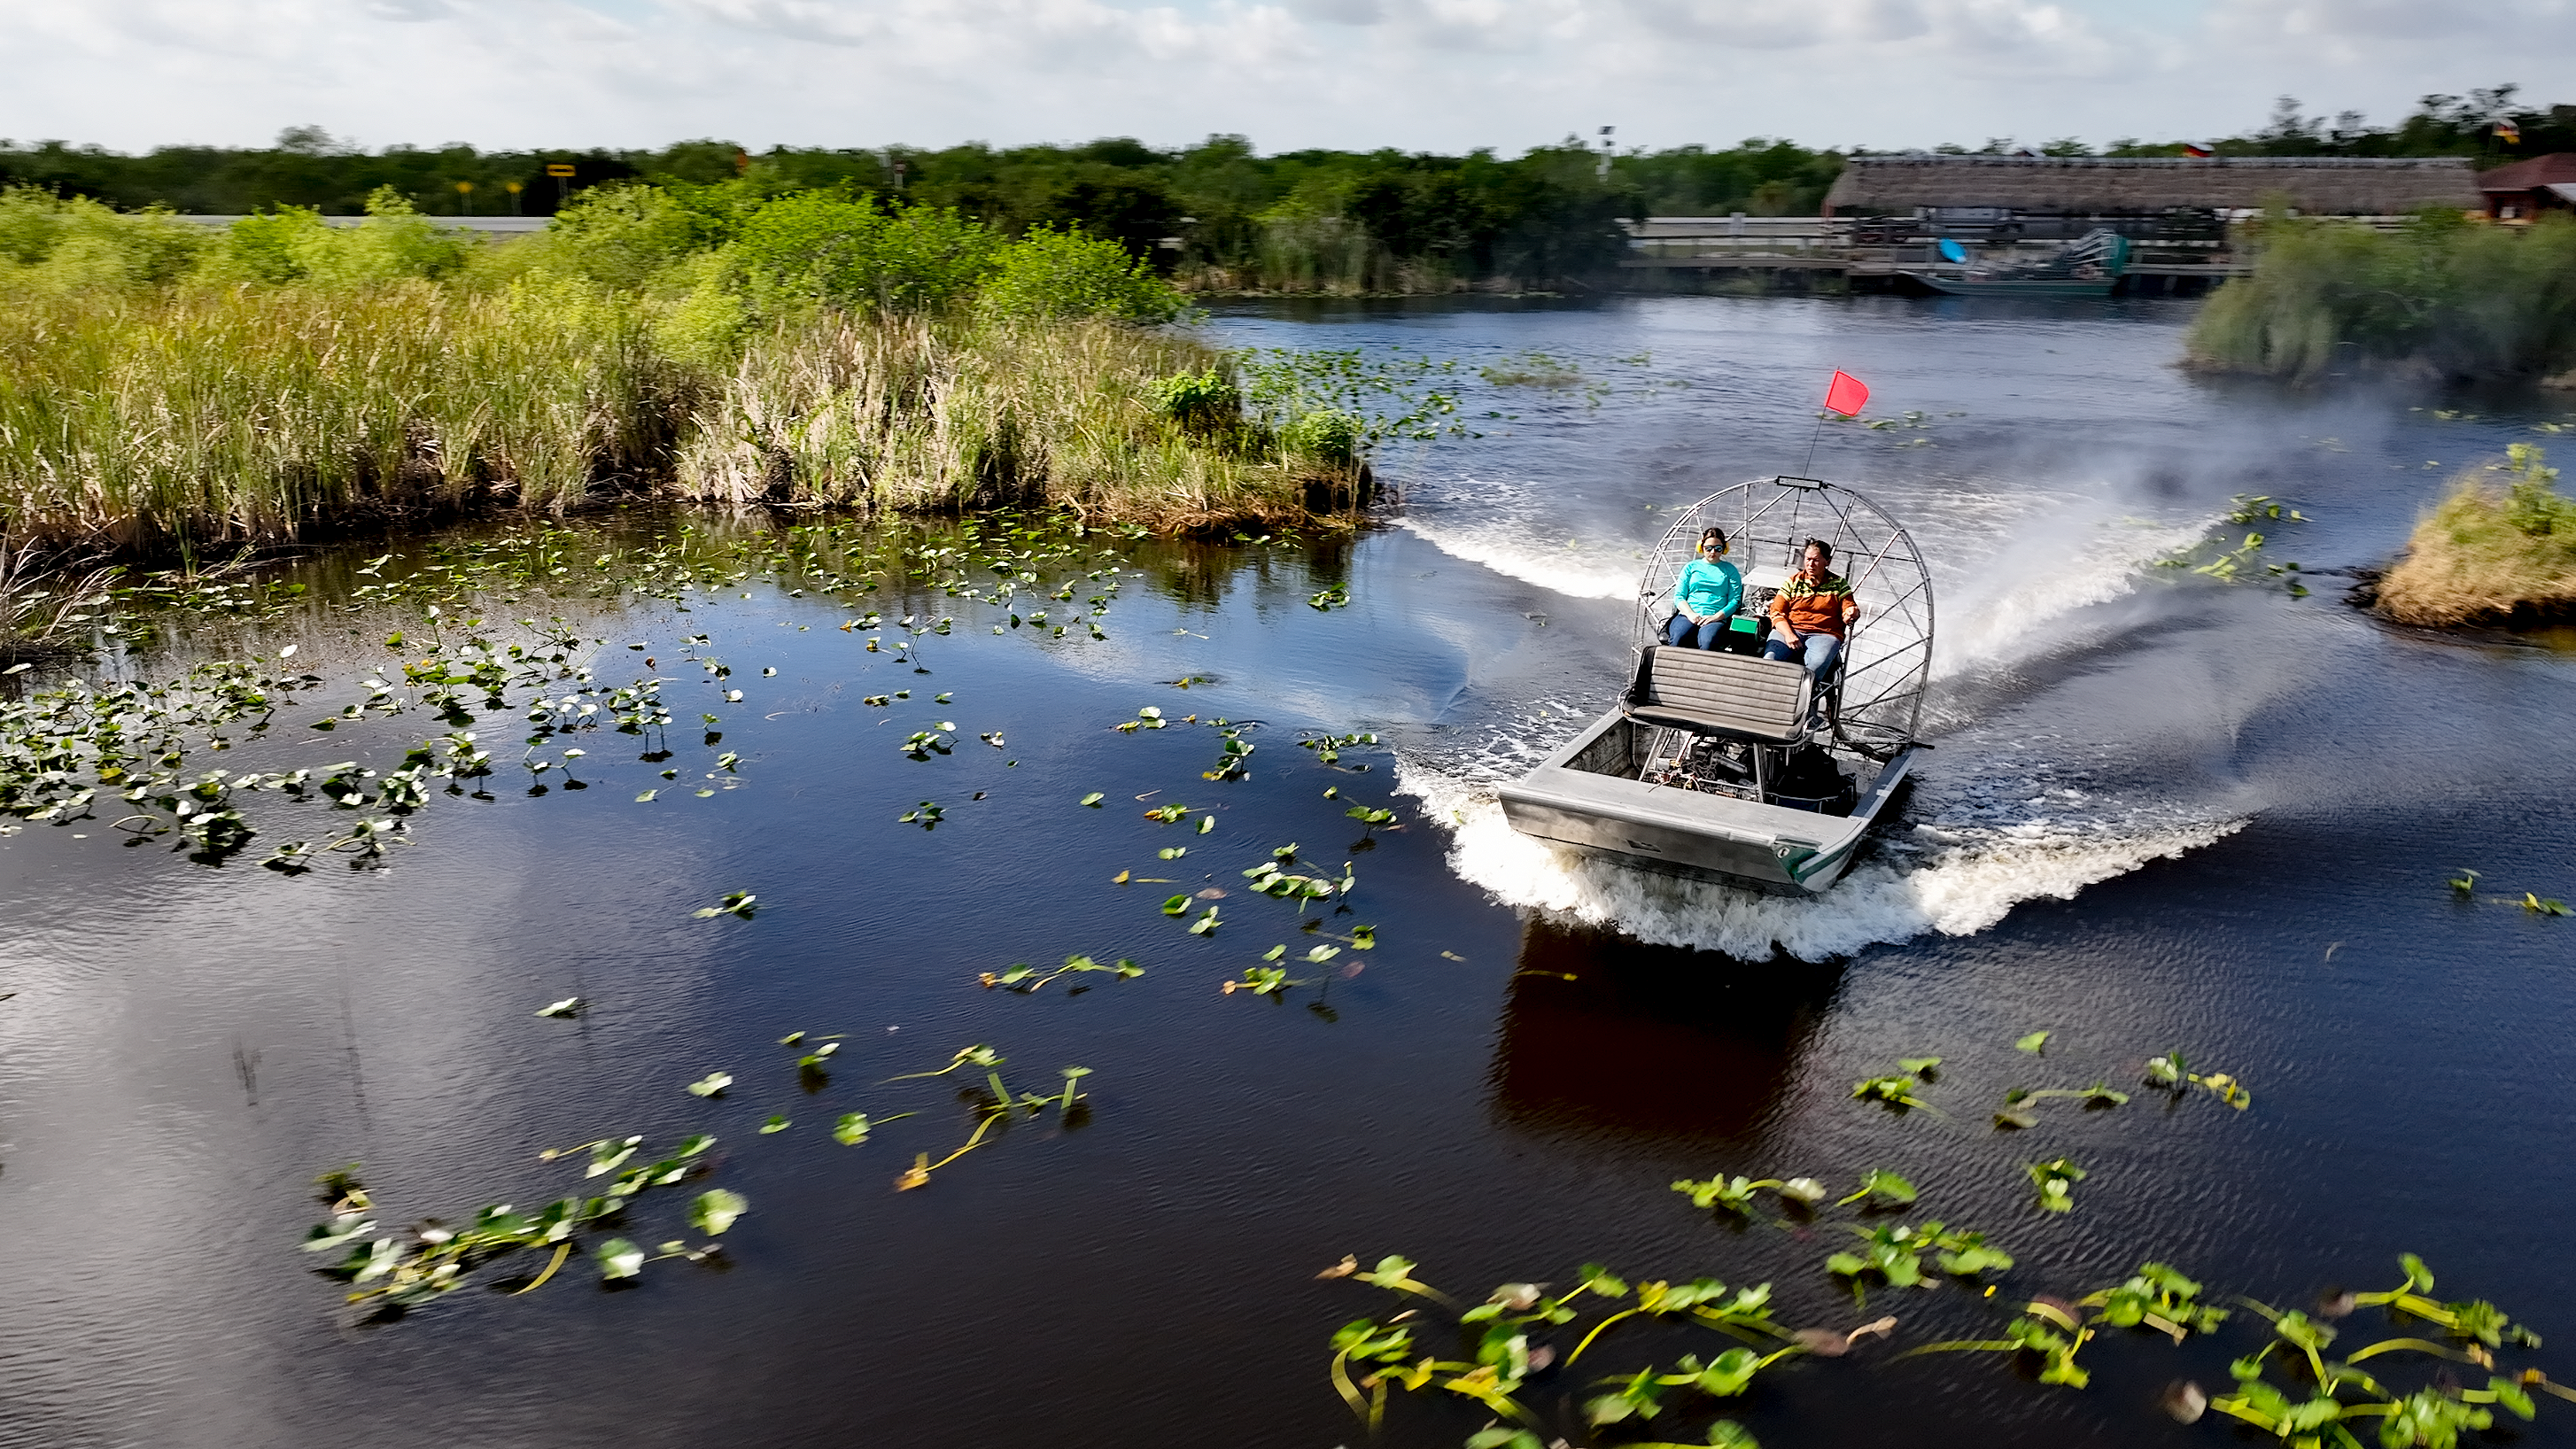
column 2208, row 818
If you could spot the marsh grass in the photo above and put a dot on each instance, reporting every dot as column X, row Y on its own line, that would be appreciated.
column 165, row 391
column 2490, row 554
column 959, row 414
column 212, row 415
column 2443, row 297
column 47, row 602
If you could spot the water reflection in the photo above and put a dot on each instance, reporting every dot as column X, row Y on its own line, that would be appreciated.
column 1603, row 1036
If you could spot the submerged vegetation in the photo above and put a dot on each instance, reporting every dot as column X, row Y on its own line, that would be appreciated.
column 2490, row 554
column 2442, row 297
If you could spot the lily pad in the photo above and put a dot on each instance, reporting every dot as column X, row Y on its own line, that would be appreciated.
column 618, row 1258
column 716, row 1209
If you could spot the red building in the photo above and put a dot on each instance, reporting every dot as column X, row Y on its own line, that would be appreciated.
column 2525, row 189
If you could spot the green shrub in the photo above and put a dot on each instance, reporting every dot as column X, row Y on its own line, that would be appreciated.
column 827, row 247
column 2443, row 295
column 65, row 245
column 395, row 242
column 1327, row 436
column 31, row 223
column 703, row 326
column 1203, row 402
column 1060, row 274
column 2533, row 506
column 620, row 236
column 271, row 246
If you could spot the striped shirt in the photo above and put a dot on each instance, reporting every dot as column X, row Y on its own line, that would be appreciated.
column 1811, row 607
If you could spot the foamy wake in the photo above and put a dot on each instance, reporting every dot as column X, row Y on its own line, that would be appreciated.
column 1992, row 614
column 1955, row 882
column 1604, row 570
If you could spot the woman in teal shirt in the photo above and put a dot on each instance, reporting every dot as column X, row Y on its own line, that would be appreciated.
column 1708, row 591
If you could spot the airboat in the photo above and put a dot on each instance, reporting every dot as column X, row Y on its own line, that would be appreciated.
column 1722, row 765
column 2091, row 266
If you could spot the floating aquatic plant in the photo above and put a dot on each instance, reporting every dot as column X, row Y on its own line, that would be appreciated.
column 2157, row 1297
column 1271, row 879
column 1735, row 1195
column 2173, row 1072
column 2055, row 1179
column 1883, row 1188
column 1328, row 747
column 990, row 1110
column 1506, row 1337
column 1897, row 1088
column 1024, row 978
column 735, row 903
column 2018, row 1102
column 409, row 1270
column 1893, row 1254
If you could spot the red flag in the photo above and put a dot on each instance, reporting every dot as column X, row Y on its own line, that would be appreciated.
column 2197, row 151
column 1847, row 395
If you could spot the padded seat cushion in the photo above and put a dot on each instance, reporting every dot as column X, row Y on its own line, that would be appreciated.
column 1765, row 700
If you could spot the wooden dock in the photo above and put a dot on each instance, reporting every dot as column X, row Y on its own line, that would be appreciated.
column 1859, row 250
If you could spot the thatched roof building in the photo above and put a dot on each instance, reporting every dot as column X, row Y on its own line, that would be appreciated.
column 2106, row 186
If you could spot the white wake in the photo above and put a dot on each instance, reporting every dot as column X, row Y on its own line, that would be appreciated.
column 1955, row 882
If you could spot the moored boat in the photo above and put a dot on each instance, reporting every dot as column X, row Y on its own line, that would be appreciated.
column 2090, row 266
column 1723, row 765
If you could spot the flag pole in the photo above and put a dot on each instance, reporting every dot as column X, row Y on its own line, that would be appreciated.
column 1846, row 395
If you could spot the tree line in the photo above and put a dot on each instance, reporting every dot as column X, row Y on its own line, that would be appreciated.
column 1219, row 213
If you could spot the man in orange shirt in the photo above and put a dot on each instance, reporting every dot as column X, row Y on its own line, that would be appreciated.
column 1813, row 613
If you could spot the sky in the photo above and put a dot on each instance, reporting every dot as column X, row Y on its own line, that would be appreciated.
column 1433, row 75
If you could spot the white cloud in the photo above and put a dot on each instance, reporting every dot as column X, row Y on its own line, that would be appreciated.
column 1428, row 74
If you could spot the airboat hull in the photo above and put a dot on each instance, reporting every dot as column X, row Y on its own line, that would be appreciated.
column 2043, row 287
column 1582, row 798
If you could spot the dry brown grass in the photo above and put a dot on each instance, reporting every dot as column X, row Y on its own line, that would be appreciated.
column 2491, row 552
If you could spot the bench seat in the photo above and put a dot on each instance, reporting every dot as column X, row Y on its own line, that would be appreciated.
column 1766, row 701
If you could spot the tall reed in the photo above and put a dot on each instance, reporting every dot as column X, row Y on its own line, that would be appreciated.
column 964, row 413
column 215, row 414
column 2444, row 297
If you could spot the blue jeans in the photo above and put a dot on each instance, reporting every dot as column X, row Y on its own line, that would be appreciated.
column 1822, row 652
column 1680, row 630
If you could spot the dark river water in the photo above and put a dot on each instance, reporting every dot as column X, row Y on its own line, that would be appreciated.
column 2159, row 815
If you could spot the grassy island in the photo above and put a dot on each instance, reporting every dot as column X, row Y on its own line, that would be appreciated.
column 2496, row 550
column 165, row 386
column 2444, row 297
